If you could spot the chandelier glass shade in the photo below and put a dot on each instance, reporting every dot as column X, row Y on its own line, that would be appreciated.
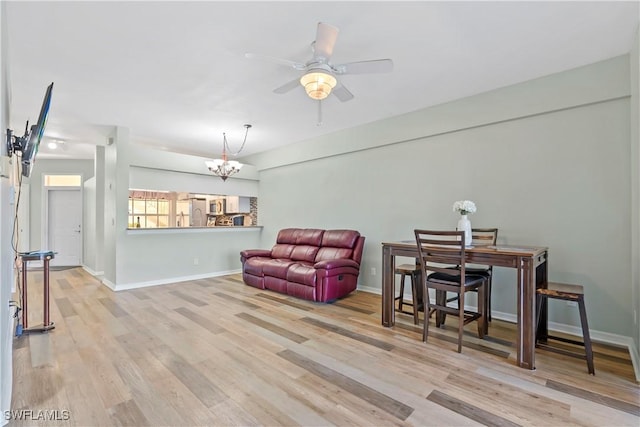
column 318, row 84
column 224, row 167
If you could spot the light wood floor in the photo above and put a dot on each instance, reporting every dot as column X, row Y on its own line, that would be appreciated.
column 218, row 352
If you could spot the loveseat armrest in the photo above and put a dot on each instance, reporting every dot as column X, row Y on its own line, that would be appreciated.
column 330, row 264
column 250, row 253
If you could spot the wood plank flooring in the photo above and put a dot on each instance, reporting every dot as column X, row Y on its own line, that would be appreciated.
column 217, row 352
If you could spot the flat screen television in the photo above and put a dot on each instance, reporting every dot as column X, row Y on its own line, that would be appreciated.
column 32, row 140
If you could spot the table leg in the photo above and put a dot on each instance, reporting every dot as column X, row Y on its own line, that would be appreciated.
column 419, row 286
column 526, row 313
column 388, row 287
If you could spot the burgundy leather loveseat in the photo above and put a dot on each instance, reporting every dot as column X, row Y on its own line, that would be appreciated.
column 318, row 265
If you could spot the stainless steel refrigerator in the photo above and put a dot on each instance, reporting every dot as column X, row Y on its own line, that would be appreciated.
column 198, row 213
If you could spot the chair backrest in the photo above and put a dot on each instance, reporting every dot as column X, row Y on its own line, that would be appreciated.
column 439, row 251
column 484, row 236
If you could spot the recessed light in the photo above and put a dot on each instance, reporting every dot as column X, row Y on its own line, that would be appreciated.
column 52, row 145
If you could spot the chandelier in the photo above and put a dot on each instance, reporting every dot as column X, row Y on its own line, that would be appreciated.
column 224, row 167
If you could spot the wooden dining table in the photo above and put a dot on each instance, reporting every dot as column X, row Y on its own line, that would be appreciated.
column 530, row 263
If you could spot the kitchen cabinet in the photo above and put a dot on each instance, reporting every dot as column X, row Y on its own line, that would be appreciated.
column 237, row 204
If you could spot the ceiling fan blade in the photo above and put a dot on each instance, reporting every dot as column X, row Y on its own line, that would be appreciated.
column 326, row 37
column 295, row 65
column 342, row 93
column 287, row 86
column 364, row 67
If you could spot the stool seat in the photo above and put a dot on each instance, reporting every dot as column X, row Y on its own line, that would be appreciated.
column 407, row 268
column 412, row 271
column 566, row 292
column 562, row 291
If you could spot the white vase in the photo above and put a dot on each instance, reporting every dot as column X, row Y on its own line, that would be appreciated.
column 465, row 225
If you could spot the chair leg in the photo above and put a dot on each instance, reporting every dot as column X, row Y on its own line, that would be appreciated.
column 460, row 319
column 401, row 300
column 441, row 299
column 482, row 309
column 539, row 301
column 585, row 335
column 488, row 296
column 427, row 307
column 487, row 309
column 414, row 297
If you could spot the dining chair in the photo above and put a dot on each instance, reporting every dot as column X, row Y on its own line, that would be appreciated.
column 482, row 237
column 442, row 260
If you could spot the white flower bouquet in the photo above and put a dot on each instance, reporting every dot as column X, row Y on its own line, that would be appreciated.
column 464, row 207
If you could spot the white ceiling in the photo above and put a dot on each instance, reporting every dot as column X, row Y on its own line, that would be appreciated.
column 176, row 75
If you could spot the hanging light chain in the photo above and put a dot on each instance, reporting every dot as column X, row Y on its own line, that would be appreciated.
column 226, row 143
column 225, row 167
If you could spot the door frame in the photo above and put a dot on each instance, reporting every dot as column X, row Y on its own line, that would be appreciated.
column 45, row 210
column 24, row 218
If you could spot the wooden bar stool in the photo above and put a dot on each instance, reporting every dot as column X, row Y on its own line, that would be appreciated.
column 412, row 272
column 566, row 292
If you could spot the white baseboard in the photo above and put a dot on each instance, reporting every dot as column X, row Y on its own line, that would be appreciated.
column 108, row 284
column 92, row 272
column 596, row 336
column 136, row 285
column 635, row 359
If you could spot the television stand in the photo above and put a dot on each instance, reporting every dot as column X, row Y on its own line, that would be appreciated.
column 45, row 257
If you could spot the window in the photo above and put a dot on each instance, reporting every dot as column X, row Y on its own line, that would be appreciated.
column 62, row 180
column 148, row 209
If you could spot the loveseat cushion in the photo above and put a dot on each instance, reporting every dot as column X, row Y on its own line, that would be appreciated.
column 277, row 267
column 303, row 274
column 310, row 236
column 337, row 244
column 340, row 238
column 333, row 253
column 304, row 253
column 288, row 235
column 282, row 250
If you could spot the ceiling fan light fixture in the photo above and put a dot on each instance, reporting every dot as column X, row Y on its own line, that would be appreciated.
column 318, row 84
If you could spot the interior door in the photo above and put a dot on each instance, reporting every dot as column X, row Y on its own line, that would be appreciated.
column 64, row 209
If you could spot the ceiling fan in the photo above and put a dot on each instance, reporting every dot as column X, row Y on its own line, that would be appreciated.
column 320, row 75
